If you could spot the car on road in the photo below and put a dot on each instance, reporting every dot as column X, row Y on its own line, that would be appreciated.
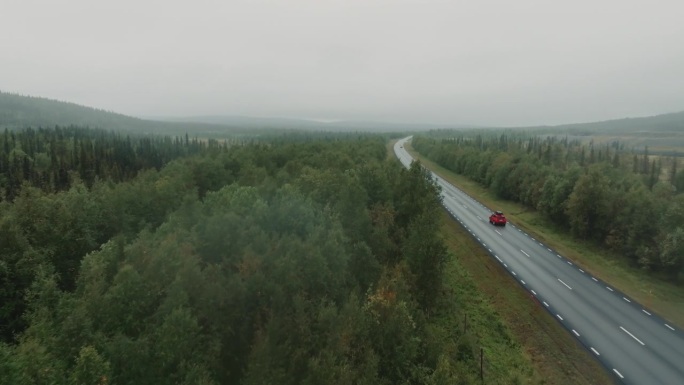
column 497, row 219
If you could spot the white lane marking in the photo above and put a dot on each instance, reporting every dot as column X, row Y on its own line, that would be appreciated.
column 532, row 238
column 478, row 217
column 618, row 373
column 632, row 335
column 535, row 293
column 497, row 231
column 478, row 239
column 558, row 255
column 548, row 249
column 513, row 273
column 626, row 299
column 582, row 271
column 559, row 317
column 484, row 244
column 669, row 327
column 546, row 304
column 505, row 265
column 497, row 257
column 595, row 280
column 490, row 250
column 609, row 288
column 523, row 251
column 574, row 331
column 646, row 312
column 523, row 282
column 541, row 244
column 569, row 263
column 595, row 352
column 526, row 234
column 566, row 285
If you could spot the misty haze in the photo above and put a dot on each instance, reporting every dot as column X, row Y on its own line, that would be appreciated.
column 341, row 192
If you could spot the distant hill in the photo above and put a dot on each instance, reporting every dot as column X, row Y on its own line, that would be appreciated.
column 664, row 124
column 662, row 134
column 17, row 111
column 291, row 123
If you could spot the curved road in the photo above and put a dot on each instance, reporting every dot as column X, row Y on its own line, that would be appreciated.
column 634, row 344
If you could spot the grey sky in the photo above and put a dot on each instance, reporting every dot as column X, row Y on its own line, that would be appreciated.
column 481, row 62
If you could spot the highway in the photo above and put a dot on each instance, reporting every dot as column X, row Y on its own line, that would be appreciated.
column 634, row 344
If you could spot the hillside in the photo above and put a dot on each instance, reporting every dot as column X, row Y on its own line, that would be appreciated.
column 649, row 125
column 663, row 134
column 290, row 123
column 17, row 111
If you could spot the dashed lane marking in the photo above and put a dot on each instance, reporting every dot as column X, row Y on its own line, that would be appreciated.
column 645, row 312
column 632, row 335
column 559, row 317
column 527, row 255
column 595, row 351
column 618, row 373
column 609, row 288
column 566, row 285
column 574, row 331
column 669, row 327
column 625, row 298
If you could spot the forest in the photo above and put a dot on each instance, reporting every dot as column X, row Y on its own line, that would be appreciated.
column 631, row 203
column 298, row 259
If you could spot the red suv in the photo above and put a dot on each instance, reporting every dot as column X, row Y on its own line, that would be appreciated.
column 497, row 219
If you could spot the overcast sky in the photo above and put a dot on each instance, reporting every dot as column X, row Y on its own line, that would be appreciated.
column 487, row 62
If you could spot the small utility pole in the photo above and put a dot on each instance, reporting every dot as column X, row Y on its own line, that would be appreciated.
column 481, row 364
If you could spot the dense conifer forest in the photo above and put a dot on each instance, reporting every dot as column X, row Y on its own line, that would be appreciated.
column 631, row 203
column 150, row 260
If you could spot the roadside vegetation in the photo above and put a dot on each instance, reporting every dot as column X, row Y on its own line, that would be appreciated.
column 300, row 259
column 522, row 341
column 610, row 210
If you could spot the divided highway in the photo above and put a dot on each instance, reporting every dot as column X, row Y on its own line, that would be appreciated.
column 634, row 344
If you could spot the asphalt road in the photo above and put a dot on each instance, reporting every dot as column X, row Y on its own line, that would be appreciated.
column 632, row 342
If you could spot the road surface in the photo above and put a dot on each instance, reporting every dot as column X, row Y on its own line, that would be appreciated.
column 632, row 342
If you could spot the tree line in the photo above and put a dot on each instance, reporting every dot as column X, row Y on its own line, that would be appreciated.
column 290, row 261
column 615, row 198
column 50, row 159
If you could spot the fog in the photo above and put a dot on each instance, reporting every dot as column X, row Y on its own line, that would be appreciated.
column 490, row 62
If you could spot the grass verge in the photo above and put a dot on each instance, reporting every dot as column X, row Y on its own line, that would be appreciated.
column 664, row 298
